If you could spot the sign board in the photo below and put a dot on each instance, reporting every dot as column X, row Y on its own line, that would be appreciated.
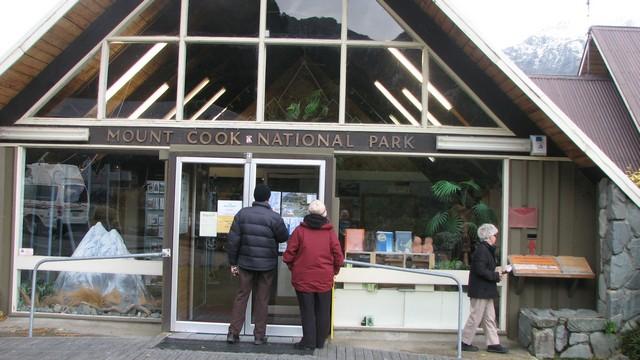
column 551, row 266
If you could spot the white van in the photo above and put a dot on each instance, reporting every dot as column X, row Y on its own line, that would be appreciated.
column 54, row 194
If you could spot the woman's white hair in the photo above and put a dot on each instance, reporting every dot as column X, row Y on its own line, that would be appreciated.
column 485, row 231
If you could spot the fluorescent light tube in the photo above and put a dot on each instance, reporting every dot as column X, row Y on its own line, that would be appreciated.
column 483, row 143
column 417, row 104
column 396, row 103
column 40, row 133
column 213, row 99
column 418, row 75
column 147, row 103
column 189, row 96
column 394, row 119
column 133, row 70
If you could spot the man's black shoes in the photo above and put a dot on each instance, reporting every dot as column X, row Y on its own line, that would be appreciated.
column 497, row 349
column 301, row 346
column 471, row 348
column 260, row 341
column 233, row 339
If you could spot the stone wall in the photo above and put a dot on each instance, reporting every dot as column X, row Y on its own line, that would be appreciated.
column 576, row 334
column 619, row 277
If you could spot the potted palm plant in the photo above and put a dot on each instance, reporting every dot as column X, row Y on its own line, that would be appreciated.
column 455, row 227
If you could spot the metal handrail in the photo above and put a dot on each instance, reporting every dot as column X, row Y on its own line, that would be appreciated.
column 165, row 253
column 425, row 272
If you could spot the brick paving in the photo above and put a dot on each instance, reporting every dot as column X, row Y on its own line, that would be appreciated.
column 142, row 348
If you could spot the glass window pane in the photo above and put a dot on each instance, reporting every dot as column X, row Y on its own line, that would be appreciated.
column 304, row 19
column 302, row 83
column 94, row 294
column 396, row 194
column 221, row 82
column 142, row 80
column 67, row 193
column 449, row 104
column 367, row 20
column 224, row 18
column 162, row 17
column 382, row 86
column 79, row 98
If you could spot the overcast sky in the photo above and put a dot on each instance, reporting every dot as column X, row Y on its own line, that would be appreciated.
column 501, row 22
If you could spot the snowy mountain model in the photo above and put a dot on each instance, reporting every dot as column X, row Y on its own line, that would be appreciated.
column 99, row 242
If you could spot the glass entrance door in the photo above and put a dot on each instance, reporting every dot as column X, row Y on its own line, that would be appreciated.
column 209, row 193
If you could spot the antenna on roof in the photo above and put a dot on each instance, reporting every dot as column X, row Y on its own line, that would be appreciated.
column 588, row 8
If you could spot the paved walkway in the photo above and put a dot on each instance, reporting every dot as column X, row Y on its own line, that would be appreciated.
column 138, row 348
column 70, row 340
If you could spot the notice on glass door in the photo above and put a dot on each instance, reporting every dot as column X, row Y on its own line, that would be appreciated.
column 227, row 209
column 208, row 223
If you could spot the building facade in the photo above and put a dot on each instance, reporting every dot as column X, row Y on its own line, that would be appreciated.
column 145, row 125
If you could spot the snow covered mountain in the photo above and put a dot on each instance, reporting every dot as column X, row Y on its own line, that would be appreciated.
column 548, row 55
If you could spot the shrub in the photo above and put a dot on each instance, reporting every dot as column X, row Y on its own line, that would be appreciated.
column 631, row 343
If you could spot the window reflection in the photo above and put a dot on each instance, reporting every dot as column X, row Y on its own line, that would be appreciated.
column 380, row 90
column 221, row 83
column 450, row 104
column 66, row 193
column 224, row 18
column 302, row 83
column 142, row 80
column 79, row 98
column 367, row 20
column 304, row 18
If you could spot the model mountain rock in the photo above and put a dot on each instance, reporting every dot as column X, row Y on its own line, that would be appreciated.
column 100, row 242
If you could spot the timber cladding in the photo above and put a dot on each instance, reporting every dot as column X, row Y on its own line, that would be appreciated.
column 567, row 225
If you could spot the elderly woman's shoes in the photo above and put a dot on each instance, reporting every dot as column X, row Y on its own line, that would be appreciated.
column 497, row 349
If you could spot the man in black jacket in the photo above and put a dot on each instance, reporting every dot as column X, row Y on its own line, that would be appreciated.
column 483, row 278
column 252, row 248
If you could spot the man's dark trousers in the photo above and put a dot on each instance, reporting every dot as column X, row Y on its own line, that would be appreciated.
column 260, row 282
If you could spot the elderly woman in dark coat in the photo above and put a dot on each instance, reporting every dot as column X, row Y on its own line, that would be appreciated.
column 483, row 279
column 314, row 256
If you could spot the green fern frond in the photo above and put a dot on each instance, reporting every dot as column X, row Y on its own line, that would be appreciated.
column 444, row 190
column 454, row 224
column 436, row 222
column 483, row 213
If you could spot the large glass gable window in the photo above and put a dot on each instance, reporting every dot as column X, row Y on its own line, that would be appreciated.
column 335, row 61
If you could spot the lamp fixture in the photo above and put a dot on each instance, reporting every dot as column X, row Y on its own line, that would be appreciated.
column 189, row 96
column 484, row 143
column 396, row 103
column 206, row 106
column 418, row 75
column 150, row 100
column 39, row 133
column 133, row 70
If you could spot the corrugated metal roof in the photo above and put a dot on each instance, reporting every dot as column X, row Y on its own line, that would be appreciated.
column 620, row 47
column 594, row 105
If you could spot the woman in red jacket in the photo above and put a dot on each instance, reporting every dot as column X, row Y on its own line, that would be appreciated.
column 314, row 257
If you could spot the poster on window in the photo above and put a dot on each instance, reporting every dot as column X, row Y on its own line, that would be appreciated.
column 227, row 209
column 275, row 200
column 294, row 208
column 208, row 223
